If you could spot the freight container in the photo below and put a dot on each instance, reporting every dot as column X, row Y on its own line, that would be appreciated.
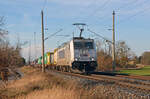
column 55, row 56
column 40, row 60
column 48, row 59
column 51, row 58
column 45, row 59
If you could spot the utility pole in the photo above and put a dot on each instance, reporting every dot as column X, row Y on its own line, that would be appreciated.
column 43, row 64
column 35, row 45
column 29, row 52
column 113, row 44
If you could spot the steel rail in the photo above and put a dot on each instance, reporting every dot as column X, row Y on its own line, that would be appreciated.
column 110, row 80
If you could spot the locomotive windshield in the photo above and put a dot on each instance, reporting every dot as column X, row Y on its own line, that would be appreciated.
column 78, row 45
column 87, row 45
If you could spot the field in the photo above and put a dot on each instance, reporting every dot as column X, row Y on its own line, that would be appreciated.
column 145, row 71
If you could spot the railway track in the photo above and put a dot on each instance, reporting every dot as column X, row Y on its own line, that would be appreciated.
column 144, row 78
column 119, row 81
column 125, row 79
column 124, row 82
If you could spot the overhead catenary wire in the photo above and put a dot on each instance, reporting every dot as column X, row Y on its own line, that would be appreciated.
column 107, row 40
column 53, row 34
column 128, row 18
column 124, row 6
column 141, row 3
column 127, row 5
column 100, row 7
column 137, row 12
column 63, row 35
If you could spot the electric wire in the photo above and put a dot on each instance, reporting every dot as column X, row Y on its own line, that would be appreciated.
column 128, row 4
column 107, row 40
column 134, row 2
column 53, row 34
column 100, row 7
column 137, row 13
column 134, row 15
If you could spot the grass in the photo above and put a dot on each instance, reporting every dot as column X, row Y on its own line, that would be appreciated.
column 145, row 71
column 36, row 85
column 33, row 80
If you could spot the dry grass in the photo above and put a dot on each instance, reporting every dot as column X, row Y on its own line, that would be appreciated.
column 36, row 85
column 28, row 69
column 53, row 93
column 35, row 81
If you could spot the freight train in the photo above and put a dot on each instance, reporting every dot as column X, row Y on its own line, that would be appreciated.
column 77, row 54
column 48, row 59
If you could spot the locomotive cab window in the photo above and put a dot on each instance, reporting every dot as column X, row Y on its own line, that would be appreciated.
column 89, row 45
column 77, row 45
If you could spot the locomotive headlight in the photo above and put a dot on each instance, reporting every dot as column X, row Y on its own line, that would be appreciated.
column 92, row 59
column 76, row 59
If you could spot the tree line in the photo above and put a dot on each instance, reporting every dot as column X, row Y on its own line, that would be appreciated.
column 144, row 59
column 10, row 56
column 125, row 57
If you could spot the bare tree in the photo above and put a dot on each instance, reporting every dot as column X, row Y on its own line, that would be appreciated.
column 145, row 59
column 123, row 54
column 10, row 56
column 104, row 58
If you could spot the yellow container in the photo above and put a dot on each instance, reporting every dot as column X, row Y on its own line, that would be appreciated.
column 50, row 58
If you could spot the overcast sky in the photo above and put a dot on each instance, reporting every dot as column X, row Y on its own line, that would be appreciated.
column 23, row 18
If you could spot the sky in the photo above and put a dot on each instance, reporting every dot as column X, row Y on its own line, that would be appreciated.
column 23, row 20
